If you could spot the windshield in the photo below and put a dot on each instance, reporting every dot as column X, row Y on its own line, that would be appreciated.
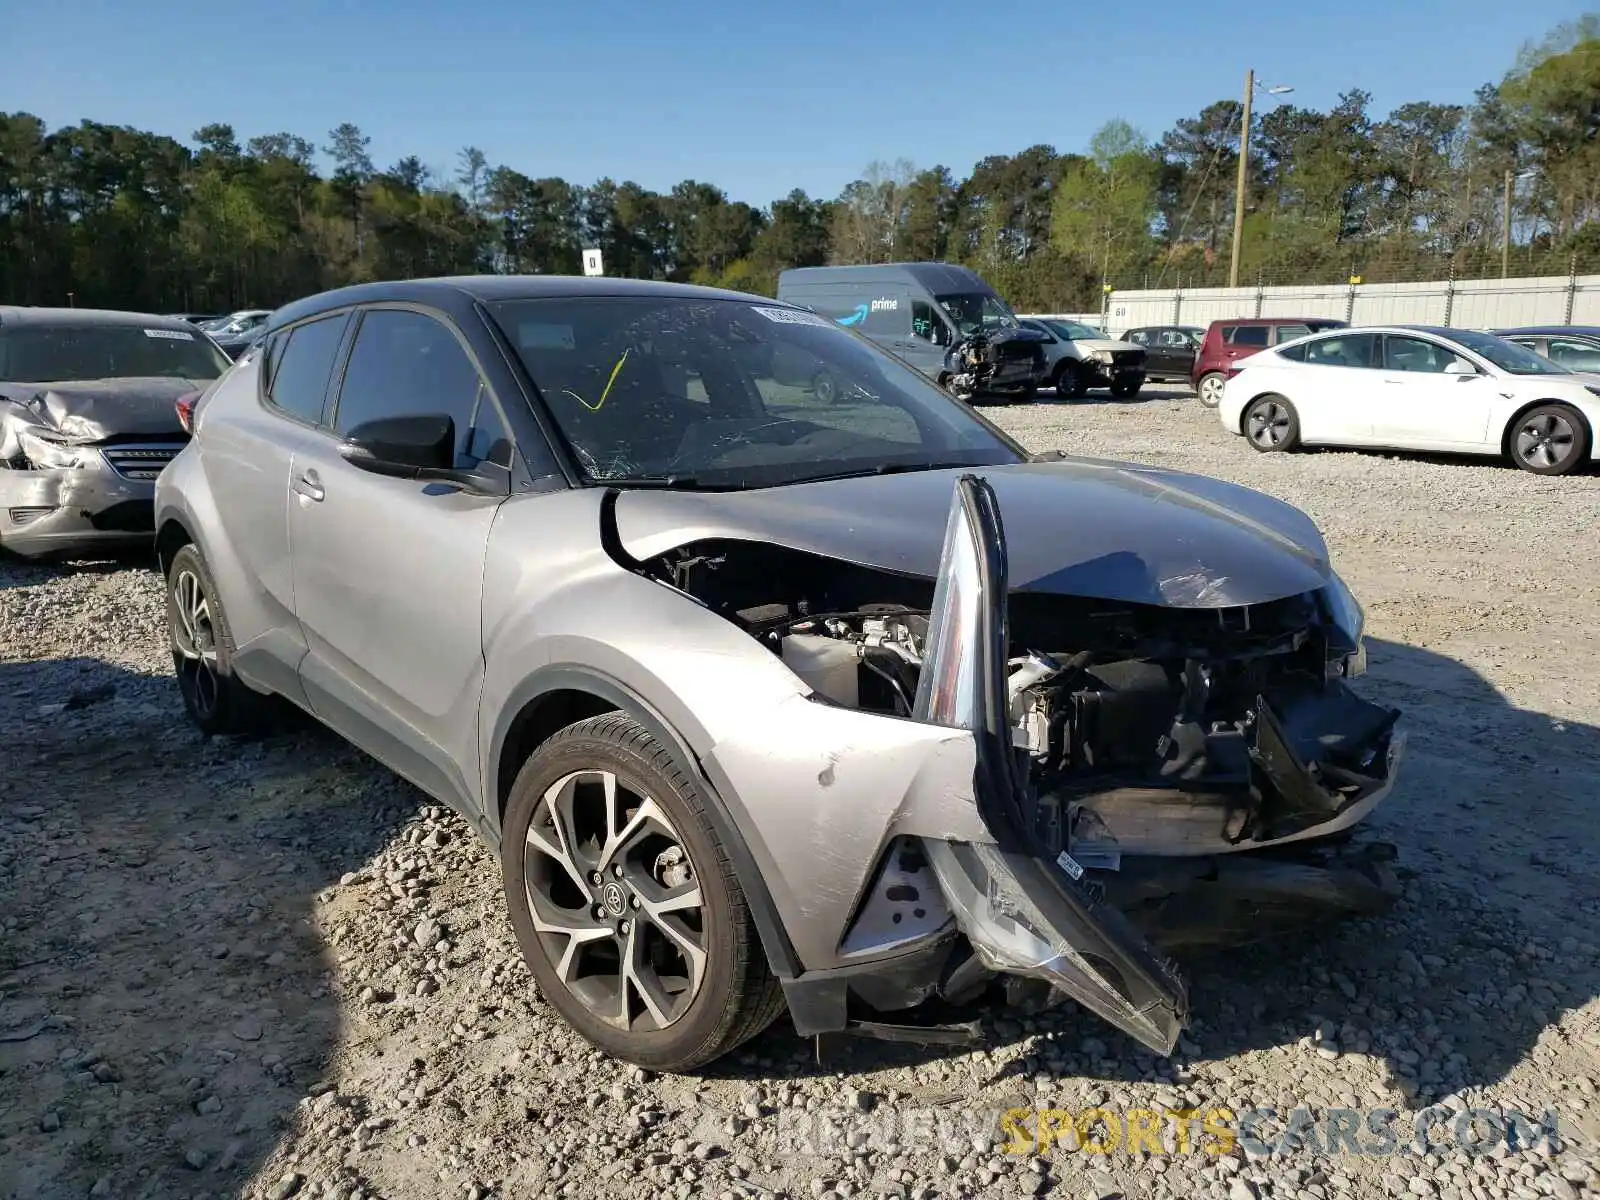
column 1508, row 356
column 53, row 353
column 1073, row 331
column 673, row 392
column 972, row 311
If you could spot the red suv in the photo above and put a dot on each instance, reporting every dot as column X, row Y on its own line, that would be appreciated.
column 1226, row 342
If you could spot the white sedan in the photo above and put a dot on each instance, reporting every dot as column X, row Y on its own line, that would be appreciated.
column 1415, row 387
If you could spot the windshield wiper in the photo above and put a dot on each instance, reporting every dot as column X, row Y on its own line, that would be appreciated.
column 887, row 469
column 673, row 482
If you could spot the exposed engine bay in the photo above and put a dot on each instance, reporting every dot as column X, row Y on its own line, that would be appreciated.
column 1156, row 740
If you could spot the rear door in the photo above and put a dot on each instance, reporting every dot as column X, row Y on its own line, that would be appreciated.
column 1025, row 909
column 1337, row 389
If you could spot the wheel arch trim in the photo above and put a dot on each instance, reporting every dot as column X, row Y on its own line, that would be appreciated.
column 555, row 678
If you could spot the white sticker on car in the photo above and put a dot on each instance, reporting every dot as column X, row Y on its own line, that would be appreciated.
column 791, row 316
column 176, row 335
column 1068, row 864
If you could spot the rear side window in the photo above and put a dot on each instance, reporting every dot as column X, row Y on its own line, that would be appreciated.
column 1348, row 350
column 299, row 363
column 1245, row 335
column 1288, row 333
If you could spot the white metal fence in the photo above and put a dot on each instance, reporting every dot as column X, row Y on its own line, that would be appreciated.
column 1462, row 303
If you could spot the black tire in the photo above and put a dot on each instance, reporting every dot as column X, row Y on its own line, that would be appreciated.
column 1271, row 424
column 1551, row 439
column 1126, row 391
column 825, row 388
column 1070, row 381
column 1210, row 388
column 217, row 700
column 738, row 996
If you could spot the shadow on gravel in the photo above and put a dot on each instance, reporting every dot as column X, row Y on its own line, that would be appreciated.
column 1444, row 460
column 164, row 994
column 22, row 573
column 1150, row 394
column 1492, row 943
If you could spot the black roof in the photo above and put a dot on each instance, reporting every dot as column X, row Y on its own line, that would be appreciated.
column 15, row 315
column 1584, row 330
column 491, row 288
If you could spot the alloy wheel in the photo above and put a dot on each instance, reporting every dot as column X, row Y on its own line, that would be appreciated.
column 615, row 901
column 1268, row 424
column 194, row 641
column 1546, row 440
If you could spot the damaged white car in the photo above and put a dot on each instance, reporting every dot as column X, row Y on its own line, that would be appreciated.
column 89, row 415
column 849, row 708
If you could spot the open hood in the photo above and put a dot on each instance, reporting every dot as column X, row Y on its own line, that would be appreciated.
column 1081, row 527
column 92, row 410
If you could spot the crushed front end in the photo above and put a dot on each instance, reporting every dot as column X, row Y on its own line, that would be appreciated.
column 996, row 361
column 1146, row 777
column 79, row 461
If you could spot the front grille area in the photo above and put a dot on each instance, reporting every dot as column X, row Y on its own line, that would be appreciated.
column 1127, row 358
column 130, row 516
column 23, row 516
column 139, row 462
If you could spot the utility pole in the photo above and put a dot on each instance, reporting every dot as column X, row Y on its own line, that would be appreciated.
column 1505, row 231
column 1238, row 191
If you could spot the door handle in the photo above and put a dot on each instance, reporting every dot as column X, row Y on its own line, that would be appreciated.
column 309, row 485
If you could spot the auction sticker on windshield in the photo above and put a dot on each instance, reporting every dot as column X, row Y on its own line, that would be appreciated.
column 176, row 335
column 791, row 316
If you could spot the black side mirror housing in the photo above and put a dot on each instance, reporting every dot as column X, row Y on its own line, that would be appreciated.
column 421, row 447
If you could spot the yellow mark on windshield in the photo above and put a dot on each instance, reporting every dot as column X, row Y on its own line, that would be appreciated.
column 615, row 371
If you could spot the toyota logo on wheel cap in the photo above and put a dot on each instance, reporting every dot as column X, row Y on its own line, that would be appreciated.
column 613, row 898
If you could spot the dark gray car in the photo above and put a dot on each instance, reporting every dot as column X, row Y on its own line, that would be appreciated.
column 767, row 702
column 88, row 418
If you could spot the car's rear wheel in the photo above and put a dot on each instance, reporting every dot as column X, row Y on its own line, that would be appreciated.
column 1551, row 439
column 217, row 700
column 824, row 387
column 625, row 903
column 1210, row 389
column 1070, row 381
column 1126, row 391
column 1271, row 423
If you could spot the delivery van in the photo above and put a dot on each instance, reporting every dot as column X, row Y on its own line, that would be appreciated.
column 922, row 312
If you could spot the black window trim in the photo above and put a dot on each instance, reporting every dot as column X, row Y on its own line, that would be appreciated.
column 518, row 470
column 264, row 394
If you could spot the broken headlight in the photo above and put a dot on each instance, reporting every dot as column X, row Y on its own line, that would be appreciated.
column 1349, row 619
column 949, row 689
column 45, row 454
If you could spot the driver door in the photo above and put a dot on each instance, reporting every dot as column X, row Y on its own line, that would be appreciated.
column 1022, row 907
column 388, row 572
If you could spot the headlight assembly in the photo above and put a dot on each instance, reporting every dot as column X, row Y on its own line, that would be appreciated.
column 1348, row 617
column 48, row 455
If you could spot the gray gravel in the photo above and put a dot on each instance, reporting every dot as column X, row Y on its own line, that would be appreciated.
column 276, row 970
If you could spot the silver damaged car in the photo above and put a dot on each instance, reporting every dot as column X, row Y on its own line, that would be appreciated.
column 851, row 707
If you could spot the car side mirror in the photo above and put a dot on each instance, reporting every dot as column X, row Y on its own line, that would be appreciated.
column 418, row 447
column 1461, row 368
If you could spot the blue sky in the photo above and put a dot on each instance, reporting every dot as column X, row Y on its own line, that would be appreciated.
column 755, row 97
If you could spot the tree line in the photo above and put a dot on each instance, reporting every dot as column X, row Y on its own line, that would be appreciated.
column 111, row 216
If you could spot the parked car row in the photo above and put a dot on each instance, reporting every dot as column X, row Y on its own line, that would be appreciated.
column 1419, row 387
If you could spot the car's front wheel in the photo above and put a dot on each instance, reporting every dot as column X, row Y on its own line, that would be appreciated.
column 1126, row 390
column 625, row 903
column 1549, row 440
column 1271, row 423
column 217, row 700
column 1210, row 389
column 1070, row 381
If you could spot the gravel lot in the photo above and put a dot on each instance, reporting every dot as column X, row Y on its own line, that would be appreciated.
column 275, row 970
